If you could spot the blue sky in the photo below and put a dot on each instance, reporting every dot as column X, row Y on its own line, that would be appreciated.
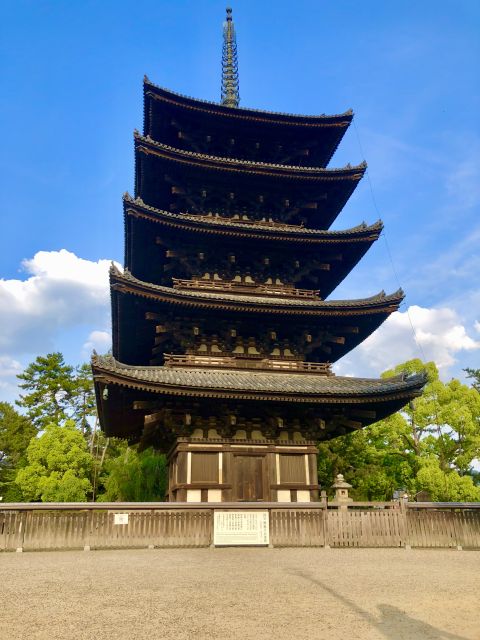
column 71, row 95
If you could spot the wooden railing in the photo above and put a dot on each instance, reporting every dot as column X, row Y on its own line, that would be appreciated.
column 37, row 526
column 253, row 289
column 254, row 223
column 229, row 362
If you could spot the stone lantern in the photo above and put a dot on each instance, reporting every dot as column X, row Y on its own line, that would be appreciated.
column 341, row 490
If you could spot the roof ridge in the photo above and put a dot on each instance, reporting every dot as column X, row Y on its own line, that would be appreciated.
column 218, row 221
column 247, row 110
column 247, row 163
column 249, row 379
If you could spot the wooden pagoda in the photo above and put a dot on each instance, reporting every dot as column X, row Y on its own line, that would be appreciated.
column 222, row 335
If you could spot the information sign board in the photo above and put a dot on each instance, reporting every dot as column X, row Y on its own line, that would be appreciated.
column 120, row 518
column 233, row 528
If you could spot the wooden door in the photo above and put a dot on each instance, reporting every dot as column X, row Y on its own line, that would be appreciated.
column 248, row 479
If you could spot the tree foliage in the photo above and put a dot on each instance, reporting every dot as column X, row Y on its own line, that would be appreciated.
column 135, row 477
column 475, row 375
column 58, row 468
column 83, row 406
column 16, row 431
column 430, row 445
column 56, row 392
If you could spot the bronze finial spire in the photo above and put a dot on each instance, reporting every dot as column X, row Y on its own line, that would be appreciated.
column 230, row 85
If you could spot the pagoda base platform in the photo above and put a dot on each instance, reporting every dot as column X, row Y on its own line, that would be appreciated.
column 242, row 470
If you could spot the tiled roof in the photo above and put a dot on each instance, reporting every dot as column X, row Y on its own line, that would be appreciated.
column 362, row 231
column 354, row 172
column 289, row 118
column 376, row 302
column 249, row 382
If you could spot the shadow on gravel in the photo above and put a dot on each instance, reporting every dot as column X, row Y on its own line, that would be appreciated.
column 393, row 624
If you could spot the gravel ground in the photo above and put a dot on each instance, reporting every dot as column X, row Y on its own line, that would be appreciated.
column 336, row 594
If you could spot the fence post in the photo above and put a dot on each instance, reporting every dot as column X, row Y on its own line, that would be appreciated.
column 324, row 501
column 403, row 508
column 88, row 531
column 21, row 532
column 456, row 523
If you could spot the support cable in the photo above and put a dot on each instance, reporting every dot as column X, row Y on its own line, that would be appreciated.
column 387, row 246
column 414, row 333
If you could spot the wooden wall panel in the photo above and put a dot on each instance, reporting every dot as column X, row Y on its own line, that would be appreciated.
column 205, row 467
column 292, row 469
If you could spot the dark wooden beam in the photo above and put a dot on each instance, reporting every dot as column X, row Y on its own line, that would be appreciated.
column 364, row 413
column 153, row 417
column 145, row 405
column 350, row 329
column 351, row 424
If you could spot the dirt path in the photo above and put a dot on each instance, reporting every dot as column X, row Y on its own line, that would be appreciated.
column 245, row 594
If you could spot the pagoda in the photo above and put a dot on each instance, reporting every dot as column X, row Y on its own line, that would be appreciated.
column 223, row 337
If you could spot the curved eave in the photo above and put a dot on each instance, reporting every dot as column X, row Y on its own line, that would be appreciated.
column 147, row 146
column 335, row 400
column 188, row 223
column 273, row 387
column 240, row 113
column 380, row 303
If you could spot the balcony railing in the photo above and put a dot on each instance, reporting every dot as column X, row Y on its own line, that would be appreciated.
column 253, row 223
column 230, row 362
column 273, row 290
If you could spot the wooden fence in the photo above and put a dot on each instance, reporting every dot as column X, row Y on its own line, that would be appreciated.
column 39, row 526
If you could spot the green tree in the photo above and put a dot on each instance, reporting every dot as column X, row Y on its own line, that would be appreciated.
column 446, row 487
column 49, row 384
column 57, row 392
column 83, row 404
column 375, row 460
column 431, row 444
column 59, row 466
column 135, row 477
column 16, row 431
column 475, row 374
column 444, row 422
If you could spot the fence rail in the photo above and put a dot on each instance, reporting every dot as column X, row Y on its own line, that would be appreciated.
column 48, row 526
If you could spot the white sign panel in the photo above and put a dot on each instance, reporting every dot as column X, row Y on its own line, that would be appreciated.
column 240, row 528
column 120, row 518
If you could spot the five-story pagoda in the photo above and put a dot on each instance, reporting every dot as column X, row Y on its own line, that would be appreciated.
column 222, row 335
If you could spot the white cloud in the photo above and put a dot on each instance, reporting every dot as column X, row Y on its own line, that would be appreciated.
column 101, row 341
column 61, row 291
column 437, row 334
column 477, row 326
column 9, row 369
